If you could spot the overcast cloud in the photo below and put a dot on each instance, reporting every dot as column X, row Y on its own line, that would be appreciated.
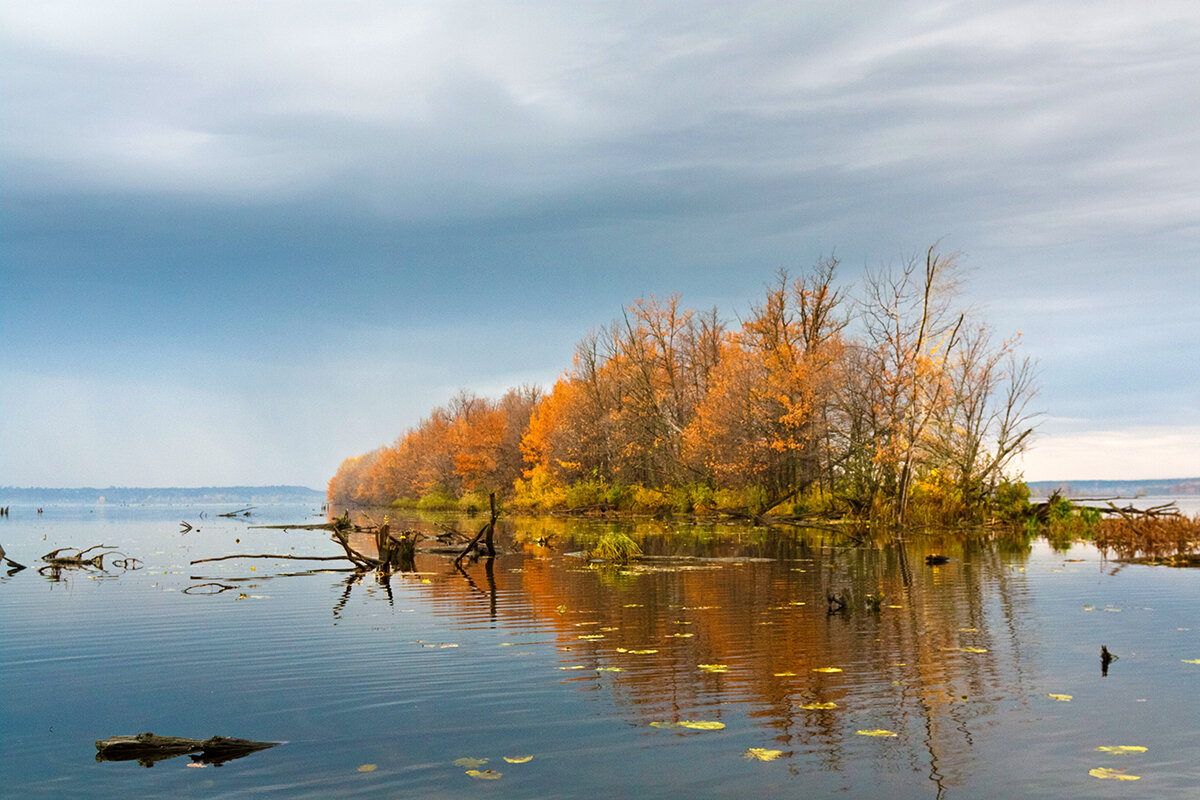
column 242, row 241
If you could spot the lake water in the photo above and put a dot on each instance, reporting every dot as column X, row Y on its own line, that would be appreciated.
column 377, row 687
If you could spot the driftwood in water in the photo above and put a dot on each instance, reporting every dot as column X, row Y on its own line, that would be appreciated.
column 78, row 559
column 241, row 512
column 148, row 748
column 15, row 567
column 268, row 555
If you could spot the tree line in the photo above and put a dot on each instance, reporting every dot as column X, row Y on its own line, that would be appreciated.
column 892, row 401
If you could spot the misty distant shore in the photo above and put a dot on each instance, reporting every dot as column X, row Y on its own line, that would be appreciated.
column 1120, row 488
column 132, row 495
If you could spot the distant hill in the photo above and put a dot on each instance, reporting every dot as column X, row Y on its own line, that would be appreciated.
column 1126, row 488
column 171, row 494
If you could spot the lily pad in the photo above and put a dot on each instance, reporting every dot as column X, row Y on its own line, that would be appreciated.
column 762, row 754
column 692, row 724
column 518, row 759
column 1122, row 749
column 1062, row 698
column 485, row 775
column 1113, row 774
column 877, row 732
column 470, row 762
column 363, row 768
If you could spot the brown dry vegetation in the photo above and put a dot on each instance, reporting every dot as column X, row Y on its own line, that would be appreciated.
column 1172, row 539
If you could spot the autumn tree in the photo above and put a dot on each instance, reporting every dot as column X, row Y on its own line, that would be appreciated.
column 762, row 420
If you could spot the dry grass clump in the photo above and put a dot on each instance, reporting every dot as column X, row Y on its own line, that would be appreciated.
column 1172, row 538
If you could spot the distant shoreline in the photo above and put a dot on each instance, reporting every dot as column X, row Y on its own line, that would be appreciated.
column 1122, row 488
column 133, row 495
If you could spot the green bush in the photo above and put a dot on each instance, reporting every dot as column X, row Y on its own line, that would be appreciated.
column 585, row 494
column 1010, row 501
column 472, row 502
column 650, row 501
column 538, row 492
column 439, row 498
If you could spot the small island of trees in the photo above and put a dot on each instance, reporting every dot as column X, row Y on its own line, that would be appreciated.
column 891, row 404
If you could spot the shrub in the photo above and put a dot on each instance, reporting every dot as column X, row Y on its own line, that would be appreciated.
column 439, row 498
column 1010, row 501
column 650, row 501
column 475, row 501
column 585, row 494
column 539, row 491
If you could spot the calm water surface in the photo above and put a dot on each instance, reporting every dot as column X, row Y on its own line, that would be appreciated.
column 378, row 687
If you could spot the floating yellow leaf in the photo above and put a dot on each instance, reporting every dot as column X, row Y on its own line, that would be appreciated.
column 693, row 724
column 609, row 669
column 877, row 732
column 1191, row 660
column 1114, row 774
column 633, row 605
column 1122, row 749
column 762, row 754
column 576, row 666
column 785, row 674
column 518, row 759
column 486, row 775
column 363, row 768
column 827, row 669
column 591, row 636
column 701, row 725
column 470, row 762
column 818, row 706
column 682, row 635
column 641, row 652
column 714, row 667
column 1063, row 698
column 968, row 630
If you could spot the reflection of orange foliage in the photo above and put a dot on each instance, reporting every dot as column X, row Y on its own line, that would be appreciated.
column 927, row 652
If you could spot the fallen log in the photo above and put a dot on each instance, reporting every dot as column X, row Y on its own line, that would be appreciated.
column 268, row 555
column 243, row 512
column 148, row 748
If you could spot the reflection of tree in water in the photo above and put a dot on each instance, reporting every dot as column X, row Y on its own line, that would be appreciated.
column 917, row 644
column 756, row 601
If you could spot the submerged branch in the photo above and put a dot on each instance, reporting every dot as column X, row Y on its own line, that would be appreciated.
column 268, row 555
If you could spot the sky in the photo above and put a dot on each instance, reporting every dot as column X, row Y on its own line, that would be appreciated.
column 240, row 242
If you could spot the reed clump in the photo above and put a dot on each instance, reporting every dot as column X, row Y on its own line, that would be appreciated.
column 1168, row 539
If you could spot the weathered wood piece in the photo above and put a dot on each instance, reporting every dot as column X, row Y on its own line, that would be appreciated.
column 241, row 512
column 292, row 557
column 14, row 565
column 148, row 748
